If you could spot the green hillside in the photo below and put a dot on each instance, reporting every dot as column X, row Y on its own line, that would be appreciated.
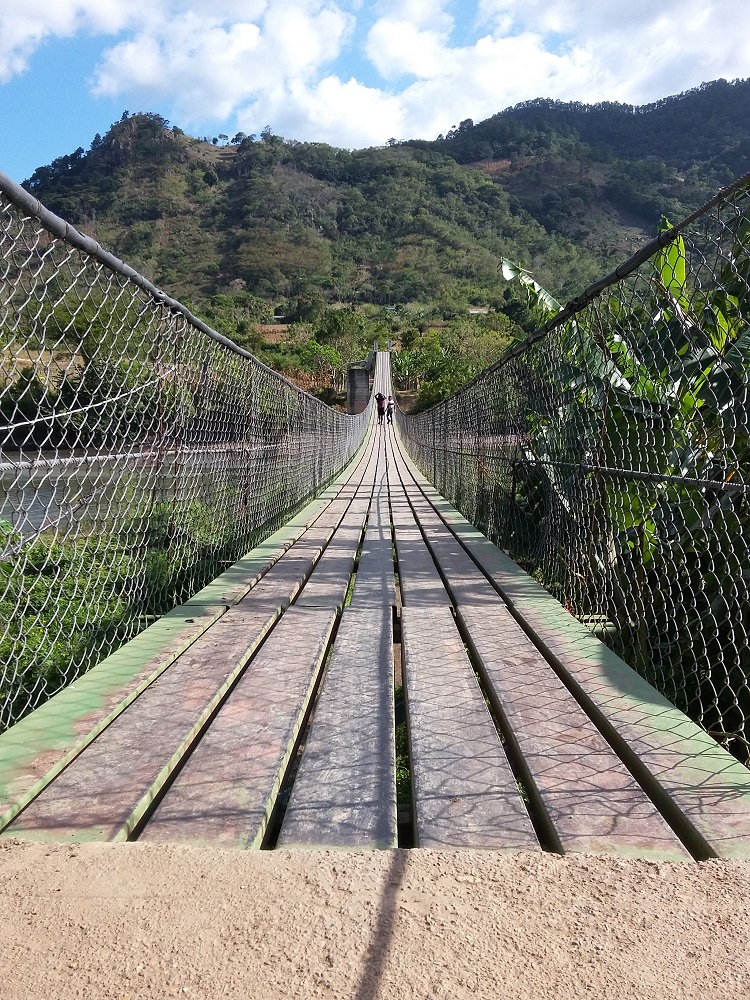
column 567, row 189
column 246, row 228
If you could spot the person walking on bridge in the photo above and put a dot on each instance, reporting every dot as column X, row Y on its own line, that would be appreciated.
column 380, row 402
column 390, row 406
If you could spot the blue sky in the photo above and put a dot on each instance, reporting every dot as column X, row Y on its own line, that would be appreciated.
column 351, row 72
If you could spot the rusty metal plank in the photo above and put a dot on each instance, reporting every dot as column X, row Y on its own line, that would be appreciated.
column 465, row 794
column 225, row 794
column 103, row 792
column 344, row 794
column 593, row 802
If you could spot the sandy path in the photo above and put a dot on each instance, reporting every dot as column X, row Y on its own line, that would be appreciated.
column 135, row 921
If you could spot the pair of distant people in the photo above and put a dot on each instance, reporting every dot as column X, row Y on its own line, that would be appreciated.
column 385, row 407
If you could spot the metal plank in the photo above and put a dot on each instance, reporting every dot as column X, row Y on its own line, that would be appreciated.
column 329, row 582
column 235, row 583
column 232, row 585
column 344, row 794
column 104, row 792
column 464, row 792
column 419, row 579
column 375, row 583
column 464, row 581
column 593, row 802
column 40, row 746
column 704, row 790
column 225, row 794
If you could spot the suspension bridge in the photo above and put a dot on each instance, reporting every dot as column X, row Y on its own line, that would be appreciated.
column 295, row 569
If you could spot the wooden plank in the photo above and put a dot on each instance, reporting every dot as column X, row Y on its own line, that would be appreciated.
column 420, row 581
column 464, row 792
column 225, row 794
column 103, row 793
column 42, row 744
column 375, row 584
column 592, row 801
column 344, row 794
column 331, row 576
column 38, row 747
column 701, row 788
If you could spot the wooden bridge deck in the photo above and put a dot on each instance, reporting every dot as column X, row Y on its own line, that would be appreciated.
column 262, row 711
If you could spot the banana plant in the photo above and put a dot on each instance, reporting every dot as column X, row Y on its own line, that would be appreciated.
column 658, row 384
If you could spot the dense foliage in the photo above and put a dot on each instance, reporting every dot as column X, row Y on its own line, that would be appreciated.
column 653, row 384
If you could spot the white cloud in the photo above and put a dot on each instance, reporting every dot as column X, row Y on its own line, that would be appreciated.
column 427, row 63
column 25, row 24
column 479, row 80
column 396, row 47
column 344, row 114
column 196, row 63
column 421, row 13
column 209, row 67
column 636, row 51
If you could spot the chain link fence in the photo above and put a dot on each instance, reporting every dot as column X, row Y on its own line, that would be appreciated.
column 141, row 453
column 609, row 455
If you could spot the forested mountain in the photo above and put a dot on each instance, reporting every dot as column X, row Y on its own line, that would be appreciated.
column 566, row 189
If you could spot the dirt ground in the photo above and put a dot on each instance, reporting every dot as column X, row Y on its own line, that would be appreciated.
column 145, row 921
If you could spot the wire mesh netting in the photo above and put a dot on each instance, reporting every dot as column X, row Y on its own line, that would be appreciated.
column 609, row 455
column 140, row 453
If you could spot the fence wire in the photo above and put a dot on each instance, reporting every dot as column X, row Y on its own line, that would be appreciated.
column 140, row 453
column 609, row 455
